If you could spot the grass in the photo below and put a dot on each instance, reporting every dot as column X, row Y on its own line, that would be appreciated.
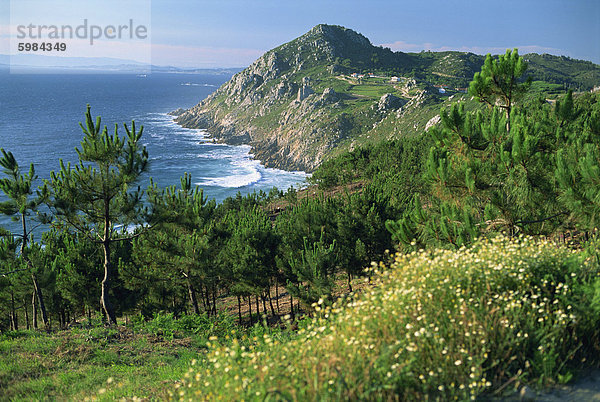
column 73, row 366
column 143, row 359
column 369, row 91
column 546, row 89
column 441, row 324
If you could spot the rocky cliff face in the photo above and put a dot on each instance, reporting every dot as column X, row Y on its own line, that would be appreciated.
column 278, row 104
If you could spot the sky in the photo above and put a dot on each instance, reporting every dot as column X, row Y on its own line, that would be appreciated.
column 233, row 33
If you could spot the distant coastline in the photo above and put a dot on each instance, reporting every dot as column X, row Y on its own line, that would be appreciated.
column 42, row 63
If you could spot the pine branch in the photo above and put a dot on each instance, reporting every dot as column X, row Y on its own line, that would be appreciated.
column 5, row 274
column 542, row 220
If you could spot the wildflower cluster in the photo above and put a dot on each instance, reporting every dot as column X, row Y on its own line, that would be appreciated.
column 441, row 324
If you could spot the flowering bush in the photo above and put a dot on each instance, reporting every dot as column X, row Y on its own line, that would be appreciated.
column 440, row 324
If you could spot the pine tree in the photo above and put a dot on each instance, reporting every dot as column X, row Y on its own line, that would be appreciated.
column 578, row 167
column 314, row 270
column 21, row 205
column 96, row 197
column 177, row 249
column 565, row 110
column 11, row 277
column 251, row 252
column 489, row 170
column 76, row 264
column 497, row 84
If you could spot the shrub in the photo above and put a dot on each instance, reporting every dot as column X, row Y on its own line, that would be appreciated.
column 439, row 324
column 165, row 325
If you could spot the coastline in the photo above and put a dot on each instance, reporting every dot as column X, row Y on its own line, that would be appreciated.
column 269, row 154
column 249, row 159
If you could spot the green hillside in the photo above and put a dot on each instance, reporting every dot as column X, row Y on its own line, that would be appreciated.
column 331, row 90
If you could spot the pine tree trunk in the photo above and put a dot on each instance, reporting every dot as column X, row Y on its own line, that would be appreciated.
column 239, row 309
column 26, row 313
column 40, row 297
column 257, row 307
column 214, row 299
column 14, row 322
column 250, row 308
column 105, row 286
column 36, row 288
column 271, row 302
column 277, row 295
column 264, row 303
column 349, row 282
column 193, row 298
column 202, row 297
column 291, row 305
column 34, row 310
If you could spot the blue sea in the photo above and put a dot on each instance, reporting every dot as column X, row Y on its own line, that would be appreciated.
column 40, row 115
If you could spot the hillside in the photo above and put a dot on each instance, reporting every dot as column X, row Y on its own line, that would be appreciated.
column 478, row 322
column 331, row 90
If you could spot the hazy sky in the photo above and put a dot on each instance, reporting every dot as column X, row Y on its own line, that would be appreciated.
column 233, row 33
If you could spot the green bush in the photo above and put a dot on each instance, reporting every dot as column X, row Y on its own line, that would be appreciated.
column 165, row 325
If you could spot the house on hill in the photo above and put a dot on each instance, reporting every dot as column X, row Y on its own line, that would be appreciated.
column 441, row 88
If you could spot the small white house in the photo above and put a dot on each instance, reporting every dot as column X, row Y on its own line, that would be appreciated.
column 394, row 79
column 442, row 90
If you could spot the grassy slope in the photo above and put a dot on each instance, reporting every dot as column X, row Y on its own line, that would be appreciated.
column 441, row 324
column 69, row 365
column 143, row 359
column 566, row 72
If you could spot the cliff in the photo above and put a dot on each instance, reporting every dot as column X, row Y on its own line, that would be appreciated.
column 327, row 91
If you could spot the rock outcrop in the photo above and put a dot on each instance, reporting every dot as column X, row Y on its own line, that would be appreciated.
column 389, row 102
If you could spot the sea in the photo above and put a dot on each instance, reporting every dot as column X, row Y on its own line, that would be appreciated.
column 40, row 115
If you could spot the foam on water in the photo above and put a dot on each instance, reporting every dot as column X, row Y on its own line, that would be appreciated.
column 215, row 165
column 233, row 181
column 192, row 84
column 241, row 169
